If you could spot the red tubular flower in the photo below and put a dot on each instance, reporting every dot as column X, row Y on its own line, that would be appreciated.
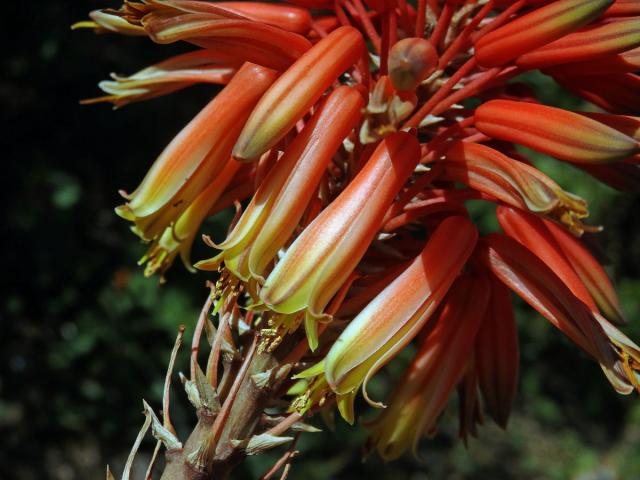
column 497, row 354
column 198, row 27
column 591, row 273
column 623, row 8
column 626, row 62
column 539, row 286
column 512, row 182
column 532, row 232
column 287, row 17
column 626, row 124
column 325, row 254
column 297, row 90
column 541, row 26
column 587, row 44
column 556, row 132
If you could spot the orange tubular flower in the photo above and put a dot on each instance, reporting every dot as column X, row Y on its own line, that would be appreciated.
column 287, row 17
column 291, row 97
column 589, row 43
column 590, row 272
column 178, row 238
column 195, row 155
column 283, row 196
column 175, row 73
column 397, row 314
column 541, row 288
column 512, row 182
column 327, row 251
column 531, row 31
column 531, row 232
column 556, row 132
column 423, row 391
column 195, row 26
column 626, row 124
column 497, row 354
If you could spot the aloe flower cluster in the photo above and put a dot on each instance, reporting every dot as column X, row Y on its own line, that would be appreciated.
column 350, row 135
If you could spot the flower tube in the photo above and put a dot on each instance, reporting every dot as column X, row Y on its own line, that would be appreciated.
column 424, row 390
column 513, row 182
column 497, row 354
column 592, row 274
column 193, row 27
column 535, row 29
column 177, row 239
column 587, row 44
column 540, row 287
column 533, row 233
column 615, row 92
column 175, row 73
column 195, row 155
column 297, row 90
column 279, row 203
column 394, row 317
column 556, row 132
column 287, row 17
column 326, row 252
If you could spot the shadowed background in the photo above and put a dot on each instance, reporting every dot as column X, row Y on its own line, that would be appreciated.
column 85, row 337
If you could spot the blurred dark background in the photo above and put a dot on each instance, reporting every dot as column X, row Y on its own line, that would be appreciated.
column 85, row 337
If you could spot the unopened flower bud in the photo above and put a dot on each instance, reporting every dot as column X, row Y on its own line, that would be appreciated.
column 411, row 61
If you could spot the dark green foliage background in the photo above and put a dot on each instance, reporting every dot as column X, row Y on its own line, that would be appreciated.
column 85, row 337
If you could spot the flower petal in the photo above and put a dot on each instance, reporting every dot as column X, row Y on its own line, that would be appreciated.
column 533, row 233
column 541, row 288
column 590, row 272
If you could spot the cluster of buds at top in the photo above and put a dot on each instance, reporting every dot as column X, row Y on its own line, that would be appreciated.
column 347, row 138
